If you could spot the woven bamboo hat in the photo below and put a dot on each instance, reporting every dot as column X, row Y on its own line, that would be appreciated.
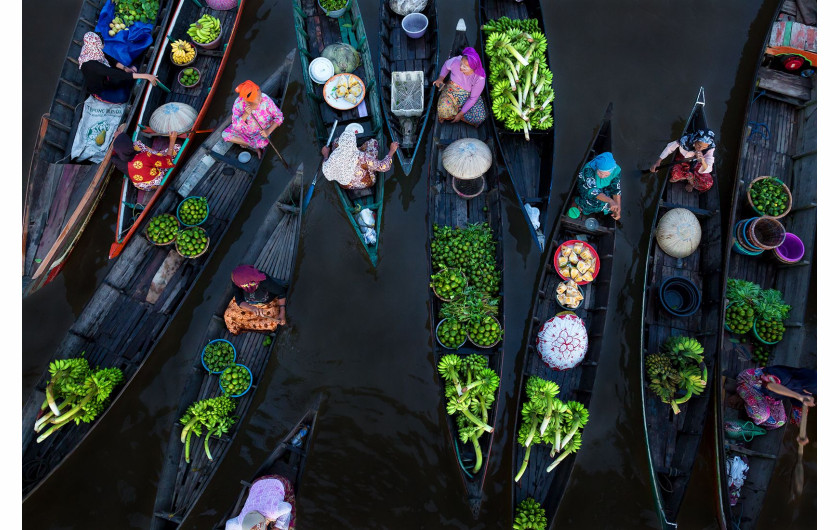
column 678, row 233
column 467, row 158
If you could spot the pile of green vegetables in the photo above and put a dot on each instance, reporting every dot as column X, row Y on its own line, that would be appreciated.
column 214, row 414
column 451, row 333
column 193, row 211
column 520, row 81
column 530, row 516
column 484, row 331
column 235, row 380
column 761, row 354
column 769, row 197
column 75, row 393
column 448, row 283
column 676, row 372
column 189, row 77
column 218, row 356
column 191, row 242
column 332, row 5
column 470, row 249
column 548, row 420
column 131, row 11
column 474, row 310
column 162, row 229
column 470, row 392
column 751, row 305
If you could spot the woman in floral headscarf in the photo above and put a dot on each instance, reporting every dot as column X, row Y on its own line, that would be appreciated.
column 255, row 116
column 698, row 148
column 259, row 301
column 355, row 168
column 144, row 166
column 599, row 187
column 105, row 77
column 461, row 99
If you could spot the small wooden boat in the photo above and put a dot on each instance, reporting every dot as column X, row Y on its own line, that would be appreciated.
column 145, row 287
column 287, row 460
column 446, row 208
column 399, row 53
column 673, row 439
column 575, row 383
column 315, row 31
column 134, row 204
column 529, row 163
column 273, row 250
column 779, row 139
column 61, row 195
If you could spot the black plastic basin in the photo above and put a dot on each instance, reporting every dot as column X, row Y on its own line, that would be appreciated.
column 679, row 296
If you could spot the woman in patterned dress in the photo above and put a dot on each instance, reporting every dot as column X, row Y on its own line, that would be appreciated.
column 763, row 389
column 355, row 168
column 144, row 166
column 461, row 99
column 259, row 303
column 599, row 187
column 255, row 116
column 698, row 148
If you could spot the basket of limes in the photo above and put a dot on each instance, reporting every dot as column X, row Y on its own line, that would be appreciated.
column 451, row 334
column 448, row 283
column 769, row 332
column 485, row 332
column 192, row 242
column 162, row 230
column 189, row 77
column 769, row 196
column 193, row 211
column 218, row 355
column 236, row 380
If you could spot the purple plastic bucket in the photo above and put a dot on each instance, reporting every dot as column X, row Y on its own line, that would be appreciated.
column 791, row 250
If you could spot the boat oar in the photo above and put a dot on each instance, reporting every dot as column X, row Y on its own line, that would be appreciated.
column 799, row 471
column 680, row 161
column 279, row 155
column 311, row 189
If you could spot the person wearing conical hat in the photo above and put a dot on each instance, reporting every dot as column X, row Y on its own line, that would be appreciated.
column 599, row 187
column 355, row 168
column 255, row 116
column 144, row 166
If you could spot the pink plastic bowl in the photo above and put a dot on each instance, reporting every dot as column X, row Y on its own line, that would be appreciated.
column 791, row 250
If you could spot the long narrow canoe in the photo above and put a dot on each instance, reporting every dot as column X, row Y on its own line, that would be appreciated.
column 315, row 31
column 135, row 204
column 446, row 208
column 273, row 250
column 576, row 383
column 529, row 163
column 787, row 150
column 400, row 53
column 673, row 439
column 287, row 460
column 145, row 287
column 61, row 195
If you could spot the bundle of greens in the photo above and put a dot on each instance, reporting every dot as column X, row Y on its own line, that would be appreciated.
column 470, row 392
column 550, row 421
column 677, row 368
column 520, row 80
column 750, row 303
column 529, row 516
column 214, row 414
column 83, row 393
column 470, row 249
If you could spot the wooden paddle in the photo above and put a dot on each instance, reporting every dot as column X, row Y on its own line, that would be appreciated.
column 279, row 155
column 799, row 471
column 311, row 189
column 680, row 161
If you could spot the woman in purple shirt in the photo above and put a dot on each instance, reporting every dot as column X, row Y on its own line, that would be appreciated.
column 461, row 99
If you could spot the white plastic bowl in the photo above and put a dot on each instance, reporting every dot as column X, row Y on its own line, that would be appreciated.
column 321, row 70
column 244, row 156
column 415, row 25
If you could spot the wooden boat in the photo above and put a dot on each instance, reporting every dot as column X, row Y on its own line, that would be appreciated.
column 287, row 460
column 399, row 53
column 315, row 31
column 445, row 207
column 61, row 195
column 576, row 383
column 529, row 163
column 145, row 287
column 673, row 439
column 779, row 139
column 273, row 250
column 134, row 204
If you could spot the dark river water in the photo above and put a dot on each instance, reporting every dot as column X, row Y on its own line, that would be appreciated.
column 381, row 457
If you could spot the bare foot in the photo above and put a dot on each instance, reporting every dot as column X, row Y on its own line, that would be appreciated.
column 259, row 154
column 689, row 188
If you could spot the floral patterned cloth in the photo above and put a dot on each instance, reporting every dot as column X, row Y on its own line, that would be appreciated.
column 92, row 50
column 355, row 170
column 454, row 98
column 274, row 497
column 247, row 128
column 690, row 171
column 762, row 409
column 148, row 167
column 238, row 320
column 588, row 190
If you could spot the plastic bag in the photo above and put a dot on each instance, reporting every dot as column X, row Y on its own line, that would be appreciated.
column 533, row 215
column 367, row 224
column 344, row 57
column 736, row 473
column 406, row 7
column 96, row 129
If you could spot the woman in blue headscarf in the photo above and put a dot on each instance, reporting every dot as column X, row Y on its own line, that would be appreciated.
column 599, row 187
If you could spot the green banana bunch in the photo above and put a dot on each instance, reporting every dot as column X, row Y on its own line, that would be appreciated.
column 530, row 516
column 205, row 30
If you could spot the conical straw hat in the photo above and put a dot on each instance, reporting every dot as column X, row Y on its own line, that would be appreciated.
column 467, row 158
column 678, row 233
column 173, row 116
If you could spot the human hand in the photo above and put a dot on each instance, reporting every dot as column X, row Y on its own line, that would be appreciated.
column 264, row 133
column 802, row 441
column 150, row 78
column 438, row 82
column 807, row 400
column 458, row 117
column 173, row 136
column 654, row 168
column 325, row 152
column 394, row 146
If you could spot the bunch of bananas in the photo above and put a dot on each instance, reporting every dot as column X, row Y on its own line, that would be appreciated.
column 182, row 52
column 205, row 30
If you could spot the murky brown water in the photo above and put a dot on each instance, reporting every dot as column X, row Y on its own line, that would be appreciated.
column 381, row 457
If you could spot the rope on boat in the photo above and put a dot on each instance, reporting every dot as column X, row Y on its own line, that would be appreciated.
column 460, row 463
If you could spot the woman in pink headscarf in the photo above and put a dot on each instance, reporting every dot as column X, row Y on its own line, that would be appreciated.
column 259, row 301
column 461, row 99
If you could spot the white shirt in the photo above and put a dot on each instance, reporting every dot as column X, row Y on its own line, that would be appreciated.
column 708, row 156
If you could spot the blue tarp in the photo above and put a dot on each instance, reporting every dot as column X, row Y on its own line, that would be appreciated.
column 128, row 44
